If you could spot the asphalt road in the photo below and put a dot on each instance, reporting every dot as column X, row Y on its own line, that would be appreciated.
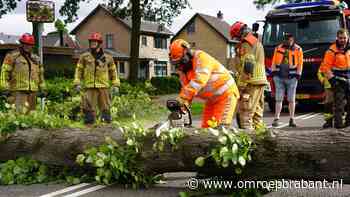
column 310, row 117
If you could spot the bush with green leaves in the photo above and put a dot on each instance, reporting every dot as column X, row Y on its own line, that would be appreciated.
column 12, row 120
column 59, row 89
column 234, row 149
column 23, row 171
column 166, row 85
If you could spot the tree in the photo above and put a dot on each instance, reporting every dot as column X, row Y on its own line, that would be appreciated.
column 164, row 11
column 61, row 29
column 260, row 4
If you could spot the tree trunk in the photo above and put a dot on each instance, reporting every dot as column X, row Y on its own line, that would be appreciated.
column 294, row 154
column 135, row 39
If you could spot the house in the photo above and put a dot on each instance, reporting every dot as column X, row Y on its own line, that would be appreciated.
column 154, row 42
column 210, row 34
column 8, row 39
column 53, row 39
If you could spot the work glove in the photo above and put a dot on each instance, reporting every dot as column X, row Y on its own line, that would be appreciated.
column 77, row 88
column 115, row 91
column 297, row 76
column 183, row 103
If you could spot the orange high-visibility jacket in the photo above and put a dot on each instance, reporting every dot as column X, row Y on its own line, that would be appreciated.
column 295, row 58
column 208, row 79
column 335, row 59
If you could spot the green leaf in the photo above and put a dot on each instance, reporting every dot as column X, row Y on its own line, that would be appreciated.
column 223, row 150
column 200, row 161
column 234, row 148
column 80, row 159
column 99, row 163
column 215, row 132
column 184, row 194
column 238, row 170
column 223, row 140
column 241, row 161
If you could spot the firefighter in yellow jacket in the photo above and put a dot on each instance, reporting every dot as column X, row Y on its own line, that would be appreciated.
column 203, row 76
column 252, row 78
column 22, row 76
column 96, row 72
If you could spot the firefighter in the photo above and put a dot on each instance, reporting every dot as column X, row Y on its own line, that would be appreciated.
column 203, row 76
column 328, row 101
column 96, row 72
column 336, row 67
column 252, row 78
column 22, row 76
column 287, row 66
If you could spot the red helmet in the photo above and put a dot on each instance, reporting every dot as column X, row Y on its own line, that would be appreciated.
column 27, row 39
column 96, row 37
column 236, row 29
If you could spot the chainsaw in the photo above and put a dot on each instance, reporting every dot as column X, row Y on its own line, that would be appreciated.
column 180, row 116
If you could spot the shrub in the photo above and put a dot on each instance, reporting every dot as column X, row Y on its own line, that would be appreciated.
column 166, row 85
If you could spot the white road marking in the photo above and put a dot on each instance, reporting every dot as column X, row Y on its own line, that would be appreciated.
column 308, row 117
column 65, row 190
column 303, row 116
column 82, row 192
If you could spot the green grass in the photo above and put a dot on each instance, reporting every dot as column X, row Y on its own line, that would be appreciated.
column 197, row 109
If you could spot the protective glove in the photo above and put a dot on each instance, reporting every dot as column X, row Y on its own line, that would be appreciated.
column 297, row 76
column 183, row 103
column 115, row 91
column 77, row 88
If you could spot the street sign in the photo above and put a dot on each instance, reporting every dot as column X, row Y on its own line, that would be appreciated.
column 40, row 11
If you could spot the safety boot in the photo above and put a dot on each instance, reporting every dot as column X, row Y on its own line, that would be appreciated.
column 328, row 124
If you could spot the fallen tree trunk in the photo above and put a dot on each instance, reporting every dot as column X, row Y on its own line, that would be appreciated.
column 294, row 154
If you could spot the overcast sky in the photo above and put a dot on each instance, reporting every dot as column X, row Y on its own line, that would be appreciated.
column 233, row 10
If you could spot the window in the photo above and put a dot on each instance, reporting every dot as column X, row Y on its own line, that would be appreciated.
column 144, row 41
column 160, row 68
column 122, row 67
column 160, row 43
column 191, row 28
column 304, row 31
column 109, row 41
column 231, row 50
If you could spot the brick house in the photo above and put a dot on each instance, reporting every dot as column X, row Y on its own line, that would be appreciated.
column 154, row 42
column 210, row 34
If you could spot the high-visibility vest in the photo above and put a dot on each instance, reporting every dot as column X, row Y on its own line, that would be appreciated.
column 293, row 57
column 208, row 79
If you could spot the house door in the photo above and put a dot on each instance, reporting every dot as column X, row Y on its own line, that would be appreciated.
column 144, row 70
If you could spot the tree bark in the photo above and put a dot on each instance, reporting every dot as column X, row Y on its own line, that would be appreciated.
column 311, row 154
column 135, row 39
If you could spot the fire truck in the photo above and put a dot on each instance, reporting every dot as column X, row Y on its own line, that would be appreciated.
column 314, row 26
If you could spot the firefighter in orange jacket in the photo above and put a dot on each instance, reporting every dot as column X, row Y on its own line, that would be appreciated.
column 203, row 76
column 336, row 67
column 252, row 77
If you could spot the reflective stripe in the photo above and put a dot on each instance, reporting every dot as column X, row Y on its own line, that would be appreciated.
column 195, row 85
column 214, row 77
column 203, row 70
column 341, row 69
column 225, row 87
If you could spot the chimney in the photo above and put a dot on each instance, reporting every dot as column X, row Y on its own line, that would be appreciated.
column 220, row 15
